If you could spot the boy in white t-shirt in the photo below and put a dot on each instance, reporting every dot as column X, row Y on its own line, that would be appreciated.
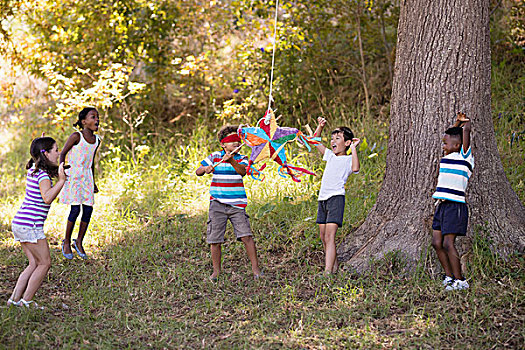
column 331, row 207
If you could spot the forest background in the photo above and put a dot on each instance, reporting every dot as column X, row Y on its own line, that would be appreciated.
column 165, row 76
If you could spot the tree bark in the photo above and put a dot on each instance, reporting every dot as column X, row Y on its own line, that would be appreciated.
column 442, row 67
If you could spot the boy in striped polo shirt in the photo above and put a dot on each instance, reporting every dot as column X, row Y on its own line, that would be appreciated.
column 228, row 198
column 451, row 216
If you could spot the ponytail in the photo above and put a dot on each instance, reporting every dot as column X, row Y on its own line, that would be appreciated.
column 82, row 115
column 29, row 164
column 38, row 158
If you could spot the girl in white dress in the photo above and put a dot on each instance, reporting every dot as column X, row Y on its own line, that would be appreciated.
column 80, row 187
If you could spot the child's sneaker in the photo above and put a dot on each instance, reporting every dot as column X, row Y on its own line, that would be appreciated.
column 458, row 284
column 447, row 280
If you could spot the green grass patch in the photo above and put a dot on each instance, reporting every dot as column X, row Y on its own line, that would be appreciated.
column 146, row 283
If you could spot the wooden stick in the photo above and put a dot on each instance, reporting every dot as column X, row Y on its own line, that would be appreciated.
column 235, row 150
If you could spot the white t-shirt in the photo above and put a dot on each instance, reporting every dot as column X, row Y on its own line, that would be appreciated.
column 336, row 172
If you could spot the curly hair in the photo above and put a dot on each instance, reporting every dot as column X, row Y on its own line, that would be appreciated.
column 39, row 159
column 82, row 115
column 226, row 130
column 455, row 132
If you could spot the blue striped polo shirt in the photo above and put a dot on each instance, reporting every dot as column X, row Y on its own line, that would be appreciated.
column 227, row 186
column 455, row 170
column 33, row 211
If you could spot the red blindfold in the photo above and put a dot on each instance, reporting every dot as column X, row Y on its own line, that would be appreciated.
column 231, row 138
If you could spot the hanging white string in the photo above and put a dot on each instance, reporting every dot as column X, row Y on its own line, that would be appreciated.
column 270, row 98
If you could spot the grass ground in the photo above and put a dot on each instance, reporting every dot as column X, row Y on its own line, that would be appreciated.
column 146, row 283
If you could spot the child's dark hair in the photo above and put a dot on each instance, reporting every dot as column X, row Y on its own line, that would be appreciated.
column 226, row 130
column 38, row 158
column 82, row 115
column 455, row 132
column 347, row 134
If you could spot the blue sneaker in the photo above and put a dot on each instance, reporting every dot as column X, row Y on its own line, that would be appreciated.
column 68, row 256
column 82, row 255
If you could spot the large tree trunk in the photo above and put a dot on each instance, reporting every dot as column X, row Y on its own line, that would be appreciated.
column 442, row 67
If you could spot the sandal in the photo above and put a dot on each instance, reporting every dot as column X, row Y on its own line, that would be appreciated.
column 28, row 304
column 68, row 256
column 14, row 303
column 82, row 255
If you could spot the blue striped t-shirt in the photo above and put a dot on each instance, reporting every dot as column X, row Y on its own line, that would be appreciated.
column 33, row 211
column 455, row 170
column 227, row 186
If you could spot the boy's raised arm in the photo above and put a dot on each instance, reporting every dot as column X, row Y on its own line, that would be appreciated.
column 321, row 123
column 466, row 136
column 463, row 121
column 355, row 159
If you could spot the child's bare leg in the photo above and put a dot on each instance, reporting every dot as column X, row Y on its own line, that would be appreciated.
column 40, row 251
column 453, row 255
column 249, row 244
column 67, row 240
column 21, row 283
column 216, row 259
column 330, row 251
column 322, row 229
column 72, row 218
column 437, row 243
column 87, row 211
column 336, row 264
column 81, row 233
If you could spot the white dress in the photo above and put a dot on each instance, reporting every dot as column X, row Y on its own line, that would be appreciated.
column 80, row 185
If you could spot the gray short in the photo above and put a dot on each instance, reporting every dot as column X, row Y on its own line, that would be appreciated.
column 27, row 234
column 218, row 217
column 331, row 211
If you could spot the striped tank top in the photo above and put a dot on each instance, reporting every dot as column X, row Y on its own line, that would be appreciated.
column 455, row 170
column 33, row 211
column 227, row 186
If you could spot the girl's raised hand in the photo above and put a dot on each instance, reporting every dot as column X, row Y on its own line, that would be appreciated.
column 321, row 121
column 61, row 173
column 355, row 142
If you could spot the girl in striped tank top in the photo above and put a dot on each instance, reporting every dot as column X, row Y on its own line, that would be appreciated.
column 28, row 223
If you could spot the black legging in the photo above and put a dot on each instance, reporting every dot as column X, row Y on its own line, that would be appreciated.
column 87, row 210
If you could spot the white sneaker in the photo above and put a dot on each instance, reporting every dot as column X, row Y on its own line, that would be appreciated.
column 447, row 281
column 457, row 285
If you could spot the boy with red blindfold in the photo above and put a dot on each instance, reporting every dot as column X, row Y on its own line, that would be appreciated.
column 228, row 198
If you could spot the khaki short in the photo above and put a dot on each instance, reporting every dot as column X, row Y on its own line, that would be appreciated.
column 218, row 216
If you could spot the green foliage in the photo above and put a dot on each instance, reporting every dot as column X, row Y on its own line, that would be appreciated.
column 204, row 61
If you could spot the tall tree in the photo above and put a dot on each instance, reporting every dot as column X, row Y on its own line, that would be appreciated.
column 442, row 67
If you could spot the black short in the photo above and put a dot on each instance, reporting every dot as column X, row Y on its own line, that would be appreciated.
column 451, row 218
column 331, row 211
